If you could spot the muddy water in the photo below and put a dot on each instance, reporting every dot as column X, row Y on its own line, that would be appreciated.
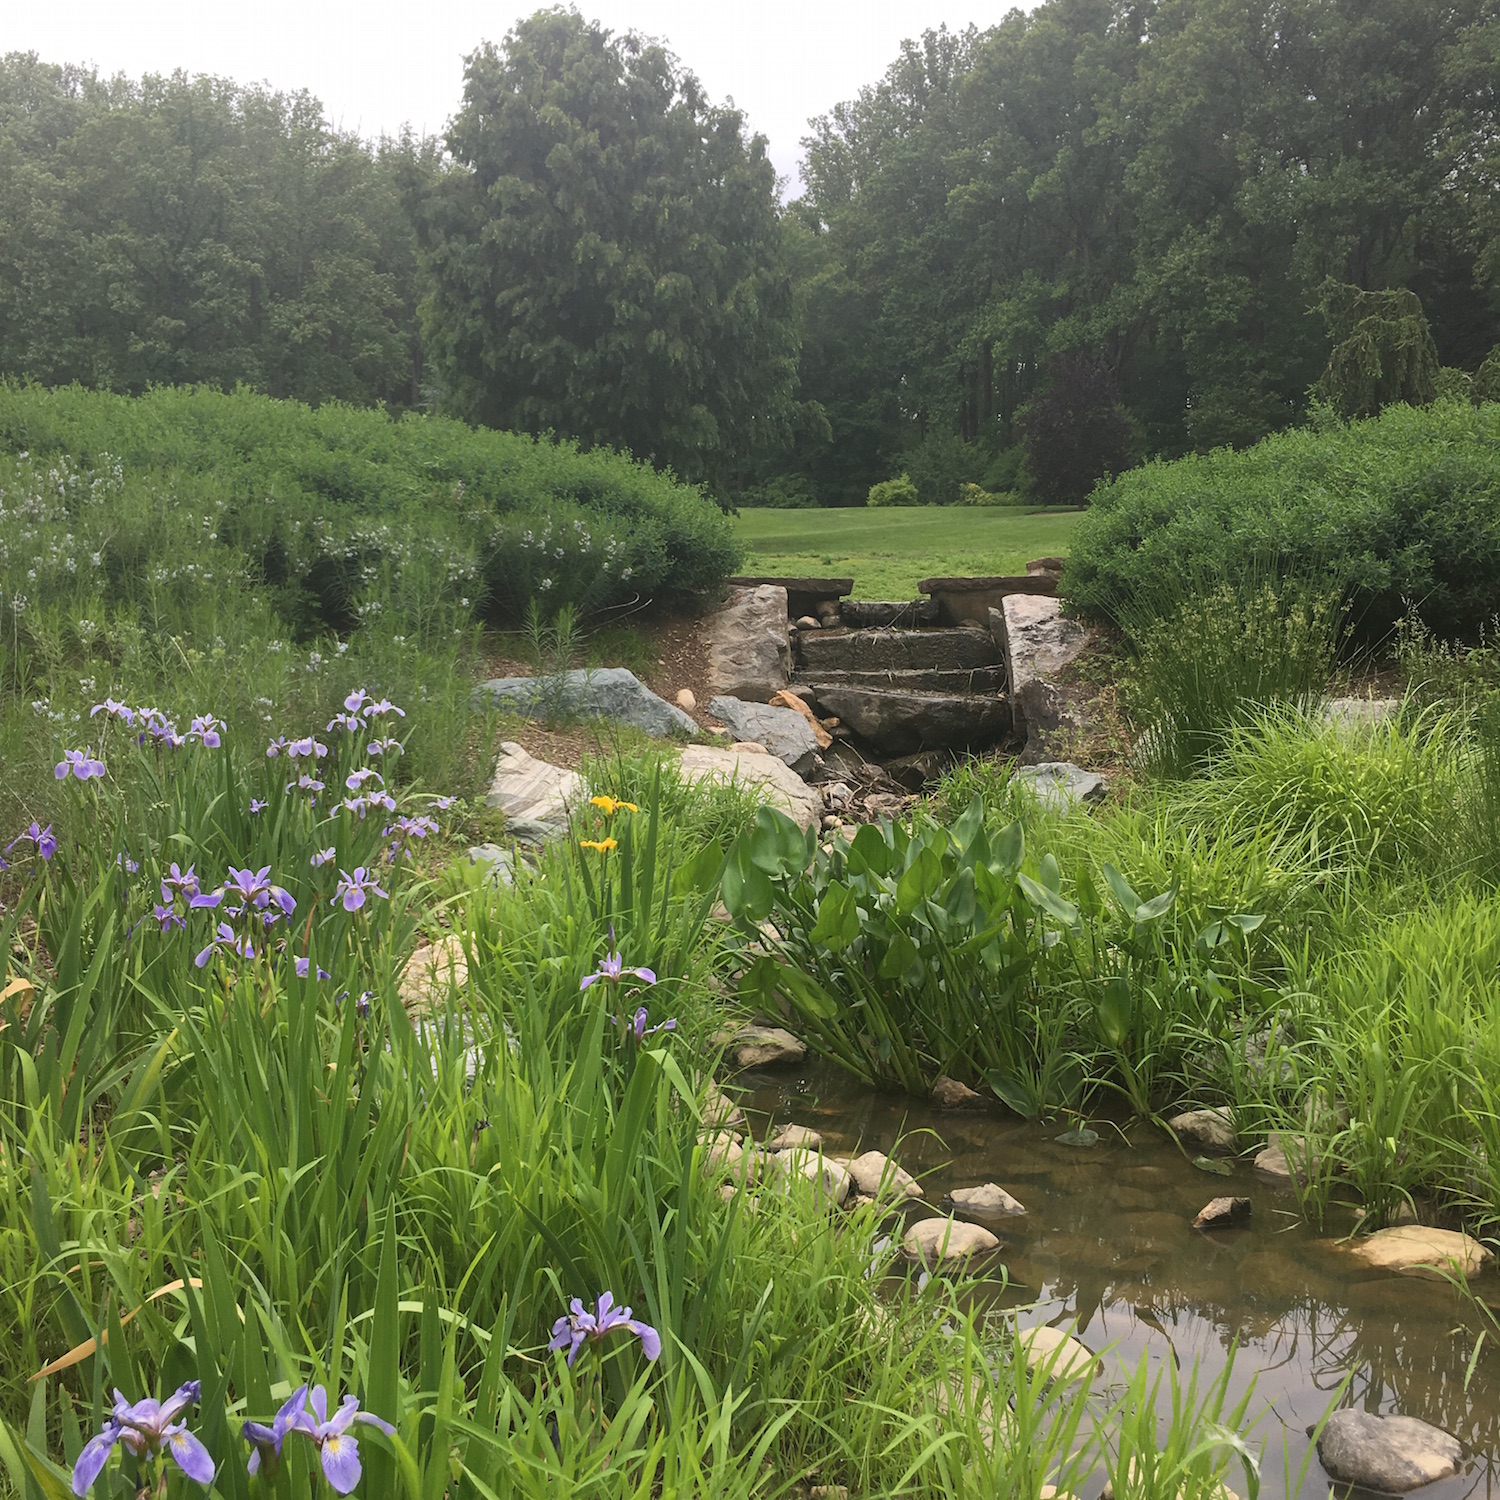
column 1107, row 1243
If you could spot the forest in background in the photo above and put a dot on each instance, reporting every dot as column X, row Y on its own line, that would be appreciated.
column 1148, row 219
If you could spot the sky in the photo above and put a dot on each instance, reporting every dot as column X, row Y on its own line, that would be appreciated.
column 377, row 65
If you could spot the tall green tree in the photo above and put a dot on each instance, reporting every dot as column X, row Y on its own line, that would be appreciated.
column 607, row 257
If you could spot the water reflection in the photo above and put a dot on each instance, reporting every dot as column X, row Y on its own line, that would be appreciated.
column 1108, row 1241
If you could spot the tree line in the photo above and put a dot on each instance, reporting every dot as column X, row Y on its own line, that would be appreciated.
column 1028, row 255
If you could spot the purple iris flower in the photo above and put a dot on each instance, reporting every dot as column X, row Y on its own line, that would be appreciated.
column 360, row 805
column 46, row 844
column 385, row 747
column 256, row 806
column 305, row 783
column 81, row 763
column 337, row 1451
column 280, row 743
column 383, row 799
column 225, row 937
column 323, row 857
column 356, row 700
column 571, row 1331
column 640, row 1030
column 126, row 863
column 352, row 889
column 356, row 779
column 441, row 803
column 169, row 918
column 205, row 728
column 250, row 888
column 307, row 747
column 351, row 722
column 177, row 881
column 613, row 969
column 418, row 827
column 267, row 1441
column 145, row 1429
column 381, row 709
column 121, row 711
column 304, row 967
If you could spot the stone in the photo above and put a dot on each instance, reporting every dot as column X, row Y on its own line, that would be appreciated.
column 1360, row 713
column 1058, row 1353
column 1223, row 1213
column 804, row 596
column 900, row 721
column 1205, row 1130
column 806, row 622
column 829, row 1178
column 777, row 784
column 1285, row 1158
column 838, row 795
column 718, row 1109
column 924, row 650
column 828, row 1492
column 1037, row 643
column 764, row 1047
column 535, row 796
column 599, row 693
column 1393, row 1454
column 949, row 1093
column 723, row 1154
column 1059, row 785
column 687, row 700
column 433, row 971
column 960, row 600
column 946, row 1242
column 783, row 731
column 798, row 705
column 876, row 1175
column 949, row 681
column 915, row 772
column 1417, row 1250
column 989, row 1200
column 1046, row 565
column 864, row 613
column 749, row 651
column 500, row 864
column 794, row 1138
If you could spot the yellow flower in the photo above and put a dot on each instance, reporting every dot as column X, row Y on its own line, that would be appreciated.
column 612, row 805
column 602, row 845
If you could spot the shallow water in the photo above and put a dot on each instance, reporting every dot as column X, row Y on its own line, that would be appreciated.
column 1107, row 1241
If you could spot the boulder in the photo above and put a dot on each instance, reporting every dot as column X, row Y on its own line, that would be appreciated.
column 807, row 622
column 795, row 1138
column 718, row 1109
column 949, row 1093
column 830, row 1178
column 535, row 796
column 900, row 721
column 798, row 705
column 1393, row 1454
column 989, row 1201
column 687, row 700
column 1058, row 1353
column 499, row 864
column 1205, row 1130
column 1059, row 785
column 764, row 1047
column 599, row 693
column 723, row 1152
column 1223, row 1213
column 783, row 731
column 432, row 972
column 1417, row 1250
column 749, row 650
column 1286, row 1158
column 779, row 785
column 1360, row 713
column 1037, row 643
column 946, row 1242
column 875, row 1174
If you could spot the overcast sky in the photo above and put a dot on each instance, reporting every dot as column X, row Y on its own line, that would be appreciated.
column 377, row 65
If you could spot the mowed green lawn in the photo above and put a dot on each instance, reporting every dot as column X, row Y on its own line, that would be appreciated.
column 887, row 551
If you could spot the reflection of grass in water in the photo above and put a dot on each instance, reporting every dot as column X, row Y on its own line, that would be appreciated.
column 887, row 552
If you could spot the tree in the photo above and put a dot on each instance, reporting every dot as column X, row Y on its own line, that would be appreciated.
column 1382, row 350
column 1075, row 432
column 607, row 255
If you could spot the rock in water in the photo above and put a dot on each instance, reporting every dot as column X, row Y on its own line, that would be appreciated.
column 781, row 787
column 1058, row 1353
column 1205, row 1129
column 749, row 650
column 877, row 1175
column 534, row 795
column 1394, row 1454
column 764, row 1047
column 1415, row 1250
column 599, row 693
column 783, row 731
column 1286, row 1158
column 1059, row 785
column 989, row 1200
column 949, row 1093
column 946, row 1242
column 1223, row 1213
column 830, row 1178
column 795, row 1138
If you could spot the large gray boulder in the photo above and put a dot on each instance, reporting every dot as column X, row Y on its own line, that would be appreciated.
column 777, row 784
column 783, row 731
column 1394, row 1454
column 535, row 796
column 1038, row 643
column 749, row 644
column 603, row 693
column 1059, row 785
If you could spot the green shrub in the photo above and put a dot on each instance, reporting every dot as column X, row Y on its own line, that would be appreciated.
column 1402, row 508
column 897, row 491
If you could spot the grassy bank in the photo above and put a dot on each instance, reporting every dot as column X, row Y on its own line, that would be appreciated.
column 887, row 551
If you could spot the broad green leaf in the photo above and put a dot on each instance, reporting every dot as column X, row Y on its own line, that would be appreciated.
column 1081, row 1136
column 1213, row 1164
column 838, row 919
column 1008, row 850
column 919, row 881
column 869, row 854
column 701, row 873
column 1048, row 900
column 746, row 889
column 1114, row 1011
column 806, row 993
column 1123, row 894
column 1012, row 1093
column 899, row 958
column 1156, row 907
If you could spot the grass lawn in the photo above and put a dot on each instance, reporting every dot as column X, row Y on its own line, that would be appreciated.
column 886, row 552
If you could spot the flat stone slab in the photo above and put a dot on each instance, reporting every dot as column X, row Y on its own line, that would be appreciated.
column 783, row 731
column 1059, row 785
column 779, row 785
column 764, row 1047
column 900, row 722
column 971, row 599
column 935, row 649
column 876, row 1175
column 1416, row 1250
column 989, row 680
column 1205, row 1130
column 1360, row 713
column 1394, row 1454
column 600, row 693
column 535, row 796
column 989, row 1200
column 946, row 1242
column 749, row 644
column 875, row 612
column 824, row 588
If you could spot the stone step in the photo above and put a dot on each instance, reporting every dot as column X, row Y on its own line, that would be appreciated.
column 894, row 650
column 874, row 612
column 986, row 680
column 899, row 722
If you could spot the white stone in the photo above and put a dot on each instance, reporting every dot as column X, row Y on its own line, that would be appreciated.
column 1417, row 1250
column 946, row 1242
column 749, row 646
column 1205, row 1129
column 764, row 1047
column 1059, row 785
column 1061, row 1355
column 778, row 785
column 535, row 796
column 687, row 700
column 1393, row 1454
column 794, row 1138
column 433, row 971
column 830, row 1178
column 989, row 1199
column 877, row 1175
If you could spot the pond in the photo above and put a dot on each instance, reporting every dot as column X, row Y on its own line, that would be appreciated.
column 1107, row 1242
